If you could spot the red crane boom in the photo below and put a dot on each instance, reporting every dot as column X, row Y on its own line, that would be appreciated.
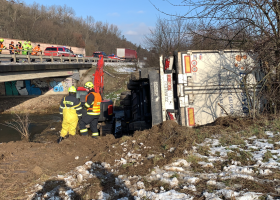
column 99, row 76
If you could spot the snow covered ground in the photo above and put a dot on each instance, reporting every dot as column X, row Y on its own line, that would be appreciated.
column 124, row 67
column 257, row 164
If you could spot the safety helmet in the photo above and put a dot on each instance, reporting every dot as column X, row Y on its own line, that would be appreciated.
column 89, row 85
column 19, row 42
column 1, row 40
column 29, row 42
column 72, row 89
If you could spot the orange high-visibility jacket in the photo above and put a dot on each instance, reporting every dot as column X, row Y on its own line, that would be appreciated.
column 1, row 47
column 35, row 51
column 94, row 108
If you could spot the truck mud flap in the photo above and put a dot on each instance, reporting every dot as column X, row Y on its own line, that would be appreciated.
column 155, row 91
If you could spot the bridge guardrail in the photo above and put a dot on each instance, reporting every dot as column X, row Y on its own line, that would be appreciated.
column 33, row 58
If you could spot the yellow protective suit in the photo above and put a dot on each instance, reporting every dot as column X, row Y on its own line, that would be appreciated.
column 70, row 120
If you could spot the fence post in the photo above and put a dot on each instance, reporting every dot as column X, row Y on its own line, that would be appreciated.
column 41, row 57
column 52, row 57
column 69, row 59
column 28, row 56
column 14, row 57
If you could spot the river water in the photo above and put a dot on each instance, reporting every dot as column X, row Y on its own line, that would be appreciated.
column 37, row 125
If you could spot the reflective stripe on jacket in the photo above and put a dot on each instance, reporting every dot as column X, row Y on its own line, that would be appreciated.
column 94, row 108
column 71, row 102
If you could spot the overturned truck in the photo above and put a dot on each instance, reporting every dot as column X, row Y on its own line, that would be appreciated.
column 193, row 88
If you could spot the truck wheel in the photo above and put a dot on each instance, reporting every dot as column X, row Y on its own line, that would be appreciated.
column 138, row 125
column 125, row 102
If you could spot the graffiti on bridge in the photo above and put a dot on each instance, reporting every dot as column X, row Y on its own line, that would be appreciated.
column 35, row 87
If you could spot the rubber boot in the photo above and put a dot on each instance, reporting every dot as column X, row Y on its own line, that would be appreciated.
column 60, row 139
column 94, row 137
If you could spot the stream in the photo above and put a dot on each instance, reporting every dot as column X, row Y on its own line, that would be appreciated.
column 38, row 123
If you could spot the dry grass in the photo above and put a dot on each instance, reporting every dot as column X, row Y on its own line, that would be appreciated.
column 245, row 157
column 21, row 124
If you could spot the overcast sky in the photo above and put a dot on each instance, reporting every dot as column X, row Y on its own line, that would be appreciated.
column 133, row 17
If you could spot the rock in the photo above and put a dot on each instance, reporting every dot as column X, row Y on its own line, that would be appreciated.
column 211, row 182
column 172, row 149
column 181, row 162
column 89, row 164
column 192, row 180
column 103, row 195
column 190, row 187
column 140, row 185
column 77, row 158
column 175, row 169
column 80, row 178
column 106, row 165
column 174, row 182
column 127, row 183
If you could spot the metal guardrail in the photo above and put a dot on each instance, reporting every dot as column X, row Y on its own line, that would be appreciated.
column 32, row 58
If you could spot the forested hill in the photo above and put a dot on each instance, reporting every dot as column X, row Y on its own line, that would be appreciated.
column 59, row 25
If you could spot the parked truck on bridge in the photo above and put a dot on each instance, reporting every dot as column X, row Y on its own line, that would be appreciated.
column 193, row 88
column 126, row 54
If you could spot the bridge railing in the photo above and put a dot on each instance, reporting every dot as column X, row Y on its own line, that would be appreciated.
column 14, row 58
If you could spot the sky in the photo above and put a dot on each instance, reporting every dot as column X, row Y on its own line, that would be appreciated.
column 135, row 18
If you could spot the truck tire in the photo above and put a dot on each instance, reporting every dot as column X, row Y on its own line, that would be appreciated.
column 138, row 125
column 125, row 102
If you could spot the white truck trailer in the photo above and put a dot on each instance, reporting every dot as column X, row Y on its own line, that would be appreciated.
column 194, row 88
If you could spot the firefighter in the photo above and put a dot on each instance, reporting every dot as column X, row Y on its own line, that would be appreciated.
column 92, row 104
column 12, row 51
column 24, row 48
column 19, row 47
column 71, row 110
column 2, row 45
column 35, row 52
column 29, row 47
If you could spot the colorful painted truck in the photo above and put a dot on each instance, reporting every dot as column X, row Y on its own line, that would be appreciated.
column 126, row 54
column 194, row 88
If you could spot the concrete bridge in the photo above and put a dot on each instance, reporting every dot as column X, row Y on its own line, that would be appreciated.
column 16, row 72
column 19, row 79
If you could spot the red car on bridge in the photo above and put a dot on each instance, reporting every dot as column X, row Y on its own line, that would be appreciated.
column 59, row 51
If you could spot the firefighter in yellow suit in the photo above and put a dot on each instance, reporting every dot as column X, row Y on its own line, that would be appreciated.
column 71, row 109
